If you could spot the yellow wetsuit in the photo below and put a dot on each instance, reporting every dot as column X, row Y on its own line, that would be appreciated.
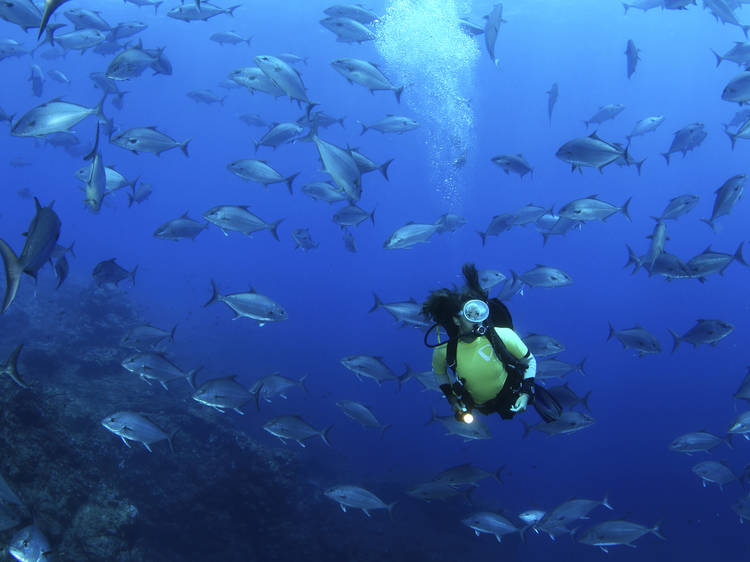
column 482, row 371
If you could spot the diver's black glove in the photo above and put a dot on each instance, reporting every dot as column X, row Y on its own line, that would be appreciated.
column 453, row 400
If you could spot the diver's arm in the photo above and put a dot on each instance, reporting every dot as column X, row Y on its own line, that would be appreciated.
column 527, row 385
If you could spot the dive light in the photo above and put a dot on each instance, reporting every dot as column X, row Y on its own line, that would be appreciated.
column 465, row 414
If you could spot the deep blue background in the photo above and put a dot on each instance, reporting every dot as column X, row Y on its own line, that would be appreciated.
column 640, row 404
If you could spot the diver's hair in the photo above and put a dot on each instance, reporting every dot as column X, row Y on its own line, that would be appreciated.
column 473, row 289
column 443, row 304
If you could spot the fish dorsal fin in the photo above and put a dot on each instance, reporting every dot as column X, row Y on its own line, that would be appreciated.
column 37, row 204
column 251, row 289
column 110, row 260
column 229, row 378
column 152, row 127
column 708, row 250
column 540, row 265
column 594, row 136
column 594, row 196
column 184, row 215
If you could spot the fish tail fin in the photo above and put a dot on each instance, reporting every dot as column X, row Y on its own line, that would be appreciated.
column 288, row 181
column 719, row 58
column 732, row 136
column 378, row 303
column 579, row 367
column 171, row 438
column 710, row 223
column 676, row 339
column 215, row 296
column 526, row 429
column 324, row 435
column 605, row 503
column 384, row 168
column 231, row 9
column 633, row 259
column 184, row 147
column 498, row 474
column 611, row 331
column 666, row 157
column 190, row 377
column 639, row 166
column 301, row 382
column 382, row 430
column 274, row 227
column 156, row 6
column 585, row 400
column 433, row 416
column 13, row 271
column 738, row 254
column 483, row 236
column 398, row 92
column 372, row 217
column 11, row 367
column 171, row 334
column 132, row 275
column 131, row 200
column 95, row 149
column 624, row 208
column 407, row 374
column 364, row 128
column 728, row 441
column 309, row 107
column 390, row 507
column 655, row 531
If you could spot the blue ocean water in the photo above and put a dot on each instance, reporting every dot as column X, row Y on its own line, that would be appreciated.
column 640, row 404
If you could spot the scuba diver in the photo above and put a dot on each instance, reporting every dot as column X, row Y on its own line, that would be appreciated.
column 493, row 369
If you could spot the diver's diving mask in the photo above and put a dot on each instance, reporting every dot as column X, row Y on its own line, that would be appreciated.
column 476, row 311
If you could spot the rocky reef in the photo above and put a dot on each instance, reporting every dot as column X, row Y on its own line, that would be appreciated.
column 219, row 496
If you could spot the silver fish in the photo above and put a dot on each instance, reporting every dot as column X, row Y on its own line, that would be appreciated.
column 154, row 366
column 611, row 533
column 391, row 124
column 259, row 171
column 631, row 56
column 727, row 197
column 679, row 206
column 148, row 139
column 546, row 276
column 696, row 442
column 407, row 312
column 712, row 472
column 30, row 545
column 686, row 139
column 370, row 367
column 357, row 498
column 180, row 228
column 250, row 305
column 491, row 29
column 295, row 428
column 41, row 239
column 130, row 426
column 704, row 332
column 347, row 30
column 239, row 218
column 365, row 74
column 637, row 338
column 493, row 524
column 590, row 151
column 10, row 367
column 362, row 415
column 515, row 163
column 605, row 113
column 223, row 394
column 52, row 117
column 409, row 235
